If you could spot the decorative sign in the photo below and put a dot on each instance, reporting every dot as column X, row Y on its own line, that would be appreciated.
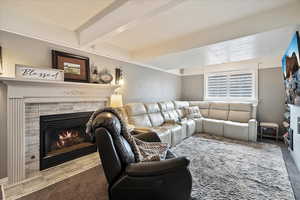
column 27, row 72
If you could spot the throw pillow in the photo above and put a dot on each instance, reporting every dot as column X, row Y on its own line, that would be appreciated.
column 192, row 112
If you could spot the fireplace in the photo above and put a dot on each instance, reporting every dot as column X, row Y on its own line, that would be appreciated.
column 63, row 138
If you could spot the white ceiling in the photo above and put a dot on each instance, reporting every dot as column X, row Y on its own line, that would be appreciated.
column 251, row 47
column 68, row 14
column 164, row 34
column 188, row 17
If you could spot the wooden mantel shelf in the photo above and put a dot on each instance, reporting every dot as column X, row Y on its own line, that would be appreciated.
column 14, row 81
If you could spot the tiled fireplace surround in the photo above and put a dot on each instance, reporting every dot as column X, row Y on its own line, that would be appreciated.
column 33, row 111
column 22, row 104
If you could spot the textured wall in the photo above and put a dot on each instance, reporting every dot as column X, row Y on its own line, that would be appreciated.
column 141, row 84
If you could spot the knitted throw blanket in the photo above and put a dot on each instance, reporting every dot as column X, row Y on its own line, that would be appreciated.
column 143, row 151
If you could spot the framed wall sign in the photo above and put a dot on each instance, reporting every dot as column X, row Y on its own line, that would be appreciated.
column 76, row 68
column 32, row 73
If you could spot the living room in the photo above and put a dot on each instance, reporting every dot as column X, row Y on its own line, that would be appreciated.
column 136, row 99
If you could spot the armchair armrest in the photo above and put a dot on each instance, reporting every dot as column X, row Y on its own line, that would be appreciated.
column 156, row 168
column 252, row 130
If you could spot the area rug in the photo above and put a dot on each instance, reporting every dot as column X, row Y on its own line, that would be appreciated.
column 226, row 169
column 221, row 169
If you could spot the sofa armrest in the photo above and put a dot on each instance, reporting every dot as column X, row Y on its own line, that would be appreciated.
column 252, row 130
column 140, row 129
column 156, row 168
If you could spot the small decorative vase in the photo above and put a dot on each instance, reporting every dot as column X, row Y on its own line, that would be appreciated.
column 95, row 76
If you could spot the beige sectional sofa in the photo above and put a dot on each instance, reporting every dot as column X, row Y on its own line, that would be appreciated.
column 168, row 119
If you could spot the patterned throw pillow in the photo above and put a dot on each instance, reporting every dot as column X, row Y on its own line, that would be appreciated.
column 192, row 112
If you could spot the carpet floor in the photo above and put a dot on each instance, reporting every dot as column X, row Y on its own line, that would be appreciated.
column 221, row 169
column 89, row 185
column 228, row 169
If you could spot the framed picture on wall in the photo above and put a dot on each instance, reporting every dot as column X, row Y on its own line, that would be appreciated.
column 76, row 68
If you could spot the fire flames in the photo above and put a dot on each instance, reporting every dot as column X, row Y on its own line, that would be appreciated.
column 68, row 138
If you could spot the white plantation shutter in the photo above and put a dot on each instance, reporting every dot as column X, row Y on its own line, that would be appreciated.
column 241, row 85
column 230, row 85
column 216, row 86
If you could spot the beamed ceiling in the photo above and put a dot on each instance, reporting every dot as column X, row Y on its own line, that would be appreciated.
column 163, row 34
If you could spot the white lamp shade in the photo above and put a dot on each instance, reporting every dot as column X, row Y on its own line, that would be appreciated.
column 116, row 100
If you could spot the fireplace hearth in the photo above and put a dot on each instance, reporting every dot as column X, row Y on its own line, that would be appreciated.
column 63, row 138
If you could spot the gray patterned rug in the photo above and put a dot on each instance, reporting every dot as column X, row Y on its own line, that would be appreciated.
column 227, row 169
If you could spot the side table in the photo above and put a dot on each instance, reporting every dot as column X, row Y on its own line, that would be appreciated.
column 269, row 125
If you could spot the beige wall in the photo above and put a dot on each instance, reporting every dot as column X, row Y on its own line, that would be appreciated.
column 270, row 93
column 141, row 84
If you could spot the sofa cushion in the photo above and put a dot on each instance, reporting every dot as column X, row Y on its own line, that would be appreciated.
column 213, row 126
column 190, row 126
column 239, row 116
column 236, row 130
column 137, row 115
column 166, row 106
column 171, row 115
column 140, row 121
column 192, row 112
column 240, row 112
column 218, row 110
column 156, row 119
column 154, row 113
column 181, row 104
column 176, row 131
column 241, row 106
column 198, row 124
column 203, row 106
column 135, row 109
column 168, row 111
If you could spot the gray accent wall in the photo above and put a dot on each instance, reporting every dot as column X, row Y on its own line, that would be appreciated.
column 192, row 87
column 140, row 83
column 271, row 93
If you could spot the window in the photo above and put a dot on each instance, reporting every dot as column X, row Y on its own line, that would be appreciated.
column 230, row 86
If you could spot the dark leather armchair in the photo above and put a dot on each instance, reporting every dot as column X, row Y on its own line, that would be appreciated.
column 159, row 180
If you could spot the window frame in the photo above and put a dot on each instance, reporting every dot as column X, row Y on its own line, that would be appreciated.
column 253, row 99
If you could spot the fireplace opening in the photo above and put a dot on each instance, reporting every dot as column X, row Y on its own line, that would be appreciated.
column 63, row 138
